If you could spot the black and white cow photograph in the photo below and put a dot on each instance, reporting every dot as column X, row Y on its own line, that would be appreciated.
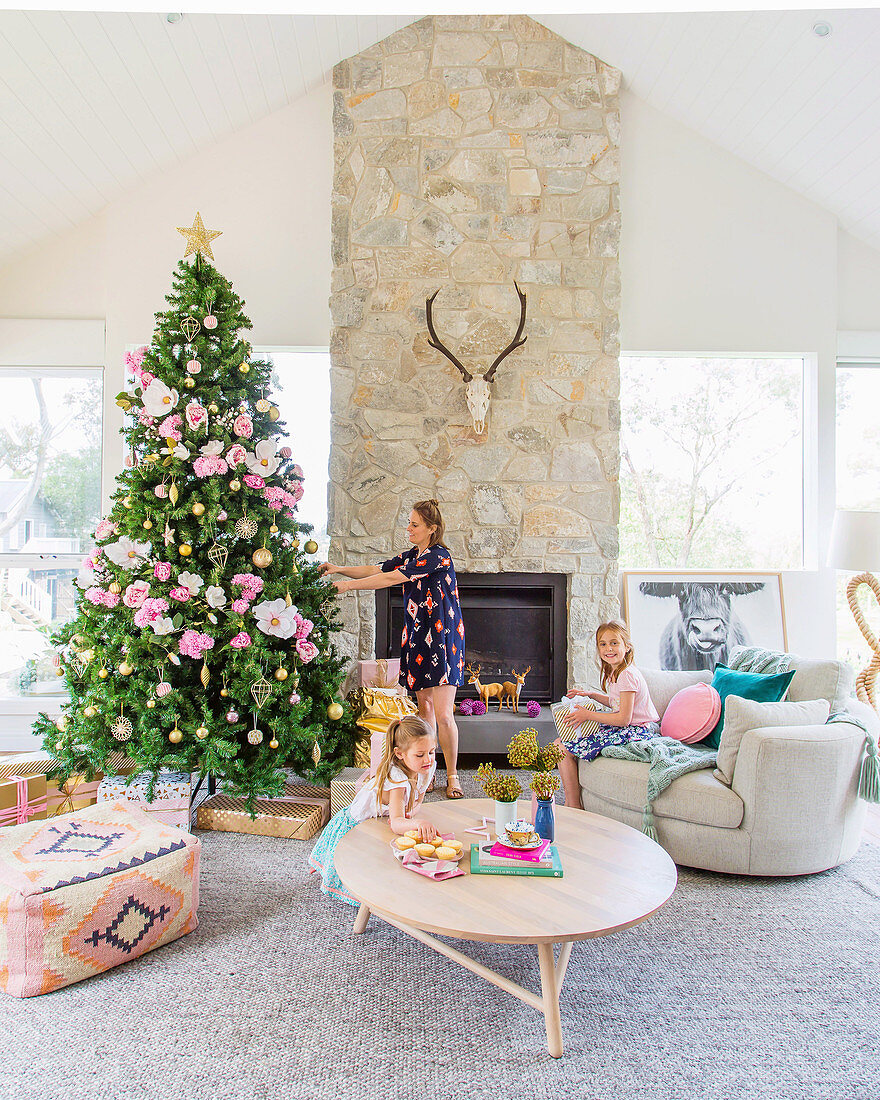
column 692, row 621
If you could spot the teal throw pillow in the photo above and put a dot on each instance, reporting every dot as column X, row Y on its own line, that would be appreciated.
column 747, row 685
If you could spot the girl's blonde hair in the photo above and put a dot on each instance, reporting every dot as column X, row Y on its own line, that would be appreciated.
column 429, row 510
column 400, row 735
column 609, row 674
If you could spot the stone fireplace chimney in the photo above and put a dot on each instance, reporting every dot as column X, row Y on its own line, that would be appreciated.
column 471, row 151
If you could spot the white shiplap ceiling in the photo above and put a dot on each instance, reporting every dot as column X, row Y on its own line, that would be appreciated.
column 91, row 103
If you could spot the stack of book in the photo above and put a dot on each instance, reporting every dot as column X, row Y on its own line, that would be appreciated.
column 499, row 859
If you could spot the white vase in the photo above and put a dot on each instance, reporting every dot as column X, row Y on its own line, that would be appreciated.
column 505, row 813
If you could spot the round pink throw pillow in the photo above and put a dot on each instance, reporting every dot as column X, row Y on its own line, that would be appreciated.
column 692, row 713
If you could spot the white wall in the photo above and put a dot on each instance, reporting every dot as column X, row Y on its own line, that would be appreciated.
column 715, row 257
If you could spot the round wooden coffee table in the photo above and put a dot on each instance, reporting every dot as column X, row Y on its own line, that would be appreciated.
column 613, row 877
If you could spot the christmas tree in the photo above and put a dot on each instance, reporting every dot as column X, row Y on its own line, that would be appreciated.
column 202, row 636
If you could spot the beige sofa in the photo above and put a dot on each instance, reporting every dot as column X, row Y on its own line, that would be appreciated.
column 791, row 806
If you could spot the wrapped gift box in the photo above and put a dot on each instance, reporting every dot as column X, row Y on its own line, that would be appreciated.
column 76, row 793
column 344, row 787
column 27, row 763
column 382, row 673
column 299, row 815
column 171, row 795
column 22, row 799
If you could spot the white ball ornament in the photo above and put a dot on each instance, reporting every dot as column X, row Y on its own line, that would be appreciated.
column 210, row 322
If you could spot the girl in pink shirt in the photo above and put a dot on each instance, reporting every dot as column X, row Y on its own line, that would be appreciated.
column 631, row 715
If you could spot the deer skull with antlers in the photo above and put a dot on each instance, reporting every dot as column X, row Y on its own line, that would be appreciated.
column 478, row 392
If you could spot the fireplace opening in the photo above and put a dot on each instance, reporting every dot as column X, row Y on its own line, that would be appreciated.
column 511, row 620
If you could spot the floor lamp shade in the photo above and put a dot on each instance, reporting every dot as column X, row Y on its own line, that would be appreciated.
column 855, row 541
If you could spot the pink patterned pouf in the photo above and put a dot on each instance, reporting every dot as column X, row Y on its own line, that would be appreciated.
column 81, row 893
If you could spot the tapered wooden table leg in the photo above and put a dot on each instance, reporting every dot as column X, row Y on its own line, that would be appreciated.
column 550, row 997
column 360, row 921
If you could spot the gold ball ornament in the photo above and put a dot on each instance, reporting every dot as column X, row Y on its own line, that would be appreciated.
column 114, row 587
column 125, row 669
column 61, row 724
column 245, row 369
column 126, row 502
column 281, row 674
column 198, row 509
column 224, row 692
column 212, row 408
column 151, row 703
column 90, row 712
column 262, row 558
column 235, row 485
column 103, row 673
column 335, row 712
column 176, row 736
column 59, row 671
column 148, row 525
column 273, row 530
column 189, row 383
column 59, row 745
column 202, row 732
column 184, row 549
column 273, row 744
column 311, row 547
column 274, row 413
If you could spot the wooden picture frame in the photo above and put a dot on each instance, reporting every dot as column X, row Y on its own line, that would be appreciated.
column 690, row 619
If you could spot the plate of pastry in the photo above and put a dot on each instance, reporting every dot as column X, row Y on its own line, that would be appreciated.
column 449, row 849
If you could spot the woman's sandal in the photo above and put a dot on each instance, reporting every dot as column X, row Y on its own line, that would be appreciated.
column 456, row 791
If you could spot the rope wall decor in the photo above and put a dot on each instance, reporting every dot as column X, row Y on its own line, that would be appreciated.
column 866, row 679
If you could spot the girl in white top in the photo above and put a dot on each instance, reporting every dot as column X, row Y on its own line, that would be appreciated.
column 631, row 715
column 396, row 791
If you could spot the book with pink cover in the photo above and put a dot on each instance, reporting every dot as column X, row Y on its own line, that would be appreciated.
column 530, row 855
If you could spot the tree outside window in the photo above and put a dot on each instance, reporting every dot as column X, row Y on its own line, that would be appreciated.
column 711, row 463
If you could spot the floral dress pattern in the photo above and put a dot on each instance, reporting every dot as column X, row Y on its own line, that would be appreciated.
column 432, row 642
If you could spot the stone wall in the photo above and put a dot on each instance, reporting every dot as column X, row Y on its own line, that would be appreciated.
column 472, row 151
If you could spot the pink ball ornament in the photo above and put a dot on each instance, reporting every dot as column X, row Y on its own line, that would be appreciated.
column 286, row 452
column 294, row 698
column 232, row 717
column 194, row 366
column 162, row 689
column 533, row 708
column 210, row 322
column 221, row 516
column 161, row 491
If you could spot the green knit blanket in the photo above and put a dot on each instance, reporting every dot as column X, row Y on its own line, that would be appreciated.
column 667, row 759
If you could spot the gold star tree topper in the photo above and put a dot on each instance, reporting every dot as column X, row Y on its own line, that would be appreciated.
column 198, row 239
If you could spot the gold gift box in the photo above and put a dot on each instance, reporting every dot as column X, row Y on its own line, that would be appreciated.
column 299, row 815
column 342, row 788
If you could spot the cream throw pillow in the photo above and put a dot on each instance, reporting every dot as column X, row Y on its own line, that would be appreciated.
column 742, row 715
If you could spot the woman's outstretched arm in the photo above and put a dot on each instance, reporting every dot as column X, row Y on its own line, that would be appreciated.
column 372, row 581
column 357, row 572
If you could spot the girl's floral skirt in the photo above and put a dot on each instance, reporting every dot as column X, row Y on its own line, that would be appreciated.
column 321, row 859
column 589, row 746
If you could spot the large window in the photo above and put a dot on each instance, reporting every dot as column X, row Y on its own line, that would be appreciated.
column 712, row 463
column 301, row 388
column 50, row 501
column 858, row 484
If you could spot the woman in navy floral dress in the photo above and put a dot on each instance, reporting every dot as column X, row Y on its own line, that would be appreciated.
column 432, row 644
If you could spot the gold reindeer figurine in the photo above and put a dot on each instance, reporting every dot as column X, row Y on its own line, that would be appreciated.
column 511, row 690
column 487, row 691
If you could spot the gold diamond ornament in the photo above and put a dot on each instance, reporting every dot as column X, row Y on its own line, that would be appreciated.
column 189, row 326
column 260, row 691
column 217, row 555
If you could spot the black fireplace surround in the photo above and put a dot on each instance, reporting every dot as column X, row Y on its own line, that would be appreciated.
column 511, row 620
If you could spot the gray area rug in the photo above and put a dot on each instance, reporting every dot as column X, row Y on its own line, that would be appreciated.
column 738, row 989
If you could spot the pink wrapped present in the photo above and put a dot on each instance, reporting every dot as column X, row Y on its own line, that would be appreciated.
column 381, row 673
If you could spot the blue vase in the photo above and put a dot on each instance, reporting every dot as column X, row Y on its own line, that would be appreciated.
column 545, row 820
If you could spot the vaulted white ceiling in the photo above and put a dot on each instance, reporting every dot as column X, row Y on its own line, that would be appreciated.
column 91, row 103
